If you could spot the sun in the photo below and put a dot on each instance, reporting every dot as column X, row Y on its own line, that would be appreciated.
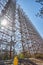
column 4, row 22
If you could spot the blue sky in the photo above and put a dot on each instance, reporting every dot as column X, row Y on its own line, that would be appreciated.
column 31, row 8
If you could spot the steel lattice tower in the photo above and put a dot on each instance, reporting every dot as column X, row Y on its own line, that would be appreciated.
column 16, row 28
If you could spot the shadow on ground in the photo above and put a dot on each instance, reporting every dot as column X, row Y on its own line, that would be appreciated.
column 26, row 62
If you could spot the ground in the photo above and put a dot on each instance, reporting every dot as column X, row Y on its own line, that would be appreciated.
column 37, row 61
column 30, row 61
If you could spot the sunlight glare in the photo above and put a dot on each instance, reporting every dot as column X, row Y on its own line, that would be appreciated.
column 4, row 22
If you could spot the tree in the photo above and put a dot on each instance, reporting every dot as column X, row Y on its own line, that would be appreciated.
column 40, row 13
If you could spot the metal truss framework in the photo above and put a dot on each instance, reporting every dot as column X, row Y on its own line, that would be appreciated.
column 18, row 31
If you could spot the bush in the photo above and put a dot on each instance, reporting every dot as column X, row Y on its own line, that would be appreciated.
column 27, row 55
column 24, row 55
column 6, row 56
column 39, row 56
column 21, row 56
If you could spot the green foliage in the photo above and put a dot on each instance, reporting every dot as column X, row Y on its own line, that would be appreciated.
column 24, row 55
column 6, row 57
column 21, row 56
